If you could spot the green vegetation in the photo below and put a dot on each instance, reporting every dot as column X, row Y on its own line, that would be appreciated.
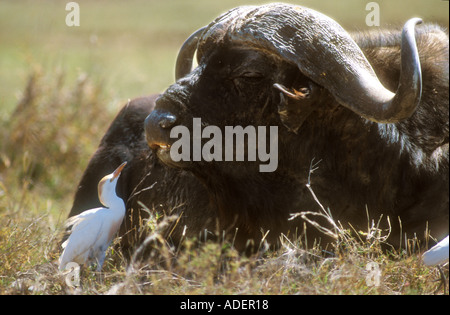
column 60, row 87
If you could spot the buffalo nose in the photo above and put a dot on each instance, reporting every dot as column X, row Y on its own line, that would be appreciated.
column 157, row 128
column 167, row 121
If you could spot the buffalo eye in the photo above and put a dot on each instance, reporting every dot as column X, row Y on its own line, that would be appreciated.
column 246, row 80
column 250, row 77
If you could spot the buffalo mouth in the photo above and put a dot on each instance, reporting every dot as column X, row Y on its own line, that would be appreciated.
column 162, row 152
column 157, row 128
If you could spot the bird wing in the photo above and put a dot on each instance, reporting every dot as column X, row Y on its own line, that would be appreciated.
column 438, row 254
column 85, row 234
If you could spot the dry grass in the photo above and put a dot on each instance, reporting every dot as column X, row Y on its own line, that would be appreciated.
column 215, row 269
column 46, row 143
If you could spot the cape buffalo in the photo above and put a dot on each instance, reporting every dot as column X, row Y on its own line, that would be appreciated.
column 368, row 110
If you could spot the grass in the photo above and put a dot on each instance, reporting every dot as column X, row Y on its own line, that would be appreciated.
column 60, row 88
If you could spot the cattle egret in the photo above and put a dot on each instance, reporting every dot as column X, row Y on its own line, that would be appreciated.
column 93, row 230
column 437, row 255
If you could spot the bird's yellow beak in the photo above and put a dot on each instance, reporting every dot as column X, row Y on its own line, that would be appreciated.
column 118, row 171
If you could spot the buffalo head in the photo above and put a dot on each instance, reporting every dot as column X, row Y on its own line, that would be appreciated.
column 269, row 65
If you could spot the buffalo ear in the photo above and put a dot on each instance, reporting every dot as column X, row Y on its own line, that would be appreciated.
column 296, row 105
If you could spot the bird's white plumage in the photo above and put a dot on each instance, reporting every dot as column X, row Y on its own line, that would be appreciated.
column 438, row 254
column 93, row 230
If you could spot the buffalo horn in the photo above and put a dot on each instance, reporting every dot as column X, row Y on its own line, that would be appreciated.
column 322, row 50
column 185, row 56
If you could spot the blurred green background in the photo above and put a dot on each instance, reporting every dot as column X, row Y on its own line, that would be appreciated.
column 131, row 46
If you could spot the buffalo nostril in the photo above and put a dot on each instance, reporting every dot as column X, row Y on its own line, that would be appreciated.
column 157, row 126
column 167, row 121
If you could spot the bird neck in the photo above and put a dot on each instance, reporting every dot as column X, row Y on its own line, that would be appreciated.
column 110, row 199
column 114, row 203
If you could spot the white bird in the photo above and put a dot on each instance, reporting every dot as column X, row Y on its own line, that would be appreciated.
column 93, row 230
column 437, row 255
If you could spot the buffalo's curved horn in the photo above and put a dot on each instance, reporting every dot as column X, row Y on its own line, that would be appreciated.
column 186, row 54
column 324, row 52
